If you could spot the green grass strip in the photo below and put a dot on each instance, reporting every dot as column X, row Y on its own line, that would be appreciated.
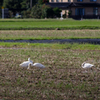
column 51, row 28
column 48, row 24
column 74, row 46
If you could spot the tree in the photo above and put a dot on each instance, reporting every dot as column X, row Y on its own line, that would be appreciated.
column 13, row 5
column 49, row 12
column 26, row 13
column 42, row 1
column 36, row 11
column 45, row 11
column 45, row 1
column 42, row 11
column 57, row 12
column 1, row 4
column 39, row 9
column 26, row 3
column 18, row 5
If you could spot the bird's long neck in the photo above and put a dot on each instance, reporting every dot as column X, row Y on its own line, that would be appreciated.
column 28, row 59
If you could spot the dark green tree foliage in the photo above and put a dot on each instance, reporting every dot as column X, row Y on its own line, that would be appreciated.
column 26, row 13
column 1, row 4
column 25, row 4
column 36, row 11
column 39, row 9
column 57, row 12
column 47, row 11
column 44, row 11
column 45, row 1
column 13, row 5
column 18, row 5
column 50, row 13
column 42, row 1
column 33, row 2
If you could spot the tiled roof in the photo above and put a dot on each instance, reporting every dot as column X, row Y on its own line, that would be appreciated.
column 66, row 5
column 59, row 5
column 85, row 5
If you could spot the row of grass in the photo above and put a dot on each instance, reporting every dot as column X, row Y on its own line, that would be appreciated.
column 74, row 46
column 49, row 28
column 48, row 24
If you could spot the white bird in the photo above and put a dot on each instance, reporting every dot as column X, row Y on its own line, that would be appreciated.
column 39, row 65
column 87, row 65
column 26, row 64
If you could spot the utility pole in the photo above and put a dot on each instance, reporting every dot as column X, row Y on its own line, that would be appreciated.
column 2, row 12
column 30, row 4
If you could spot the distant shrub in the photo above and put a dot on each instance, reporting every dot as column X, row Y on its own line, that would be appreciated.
column 36, row 11
column 26, row 14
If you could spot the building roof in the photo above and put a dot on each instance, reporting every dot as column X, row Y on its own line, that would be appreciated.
column 59, row 5
column 84, row 5
column 66, row 5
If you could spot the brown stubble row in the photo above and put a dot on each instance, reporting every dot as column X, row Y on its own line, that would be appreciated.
column 13, row 34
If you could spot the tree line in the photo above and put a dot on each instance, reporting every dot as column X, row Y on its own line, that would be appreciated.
column 28, row 9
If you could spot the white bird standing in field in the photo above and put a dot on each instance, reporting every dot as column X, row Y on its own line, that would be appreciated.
column 26, row 64
column 39, row 65
column 87, row 65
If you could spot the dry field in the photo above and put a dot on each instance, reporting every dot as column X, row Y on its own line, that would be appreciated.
column 50, row 34
column 62, row 79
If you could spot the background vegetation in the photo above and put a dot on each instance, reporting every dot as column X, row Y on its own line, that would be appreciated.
column 36, row 9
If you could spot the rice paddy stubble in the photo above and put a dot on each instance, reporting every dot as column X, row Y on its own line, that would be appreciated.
column 63, row 77
column 50, row 34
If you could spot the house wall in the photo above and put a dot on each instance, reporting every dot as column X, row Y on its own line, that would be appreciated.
column 88, row 11
column 64, row 11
